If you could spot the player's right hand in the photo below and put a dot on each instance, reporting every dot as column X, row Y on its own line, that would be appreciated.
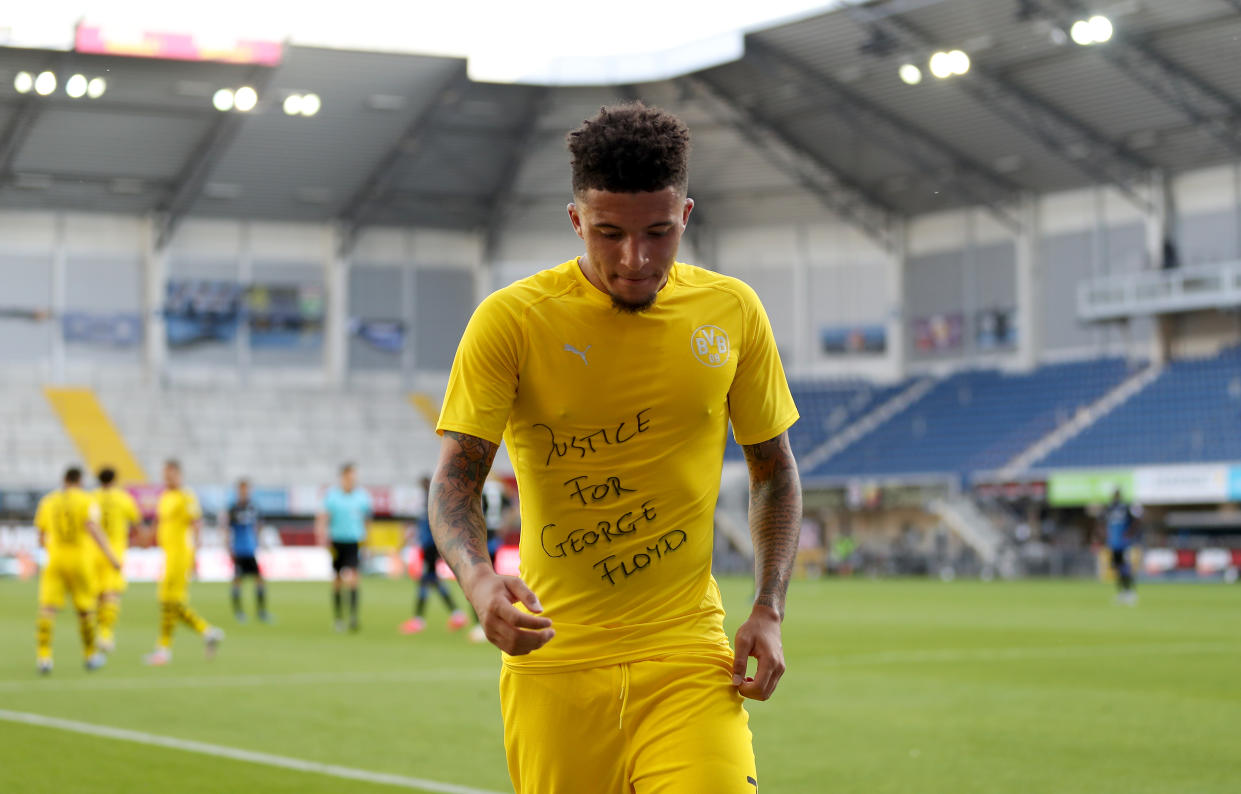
column 507, row 627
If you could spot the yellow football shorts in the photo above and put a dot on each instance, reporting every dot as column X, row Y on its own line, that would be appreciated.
column 71, row 573
column 107, row 578
column 175, row 583
column 670, row 725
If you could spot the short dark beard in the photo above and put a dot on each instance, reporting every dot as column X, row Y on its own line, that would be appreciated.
column 626, row 307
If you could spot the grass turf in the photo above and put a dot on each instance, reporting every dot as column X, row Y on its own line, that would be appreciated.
column 893, row 686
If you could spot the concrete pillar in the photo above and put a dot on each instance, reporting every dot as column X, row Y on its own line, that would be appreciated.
column 483, row 272
column 969, row 286
column 1236, row 203
column 154, row 278
column 57, row 298
column 1159, row 223
column 1029, row 286
column 409, row 313
column 245, row 277
column 803, row 332
column 896, row 322
column 336, row 306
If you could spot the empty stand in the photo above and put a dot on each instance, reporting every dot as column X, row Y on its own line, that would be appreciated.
column 33, row 444
column 1190, row 413
column 976, row 421
column 281, row 436
column 826, row 408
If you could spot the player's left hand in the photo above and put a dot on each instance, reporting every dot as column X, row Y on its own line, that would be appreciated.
column 758, row 637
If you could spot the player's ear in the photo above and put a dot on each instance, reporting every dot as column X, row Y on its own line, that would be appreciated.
column 575, row 218
column 689, row 207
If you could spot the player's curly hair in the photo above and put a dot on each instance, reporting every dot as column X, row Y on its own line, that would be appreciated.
column 630, row 148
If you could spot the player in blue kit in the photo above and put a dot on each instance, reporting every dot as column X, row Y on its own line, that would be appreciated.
column 243, row 534
column 1120, row 521
column 430, row 580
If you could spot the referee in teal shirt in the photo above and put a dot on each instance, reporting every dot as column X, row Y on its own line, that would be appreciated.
column 342, row 522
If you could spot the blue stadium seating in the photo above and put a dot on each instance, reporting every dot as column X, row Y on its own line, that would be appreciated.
column 826, row 408
column 976, row 421
column 1190, row 413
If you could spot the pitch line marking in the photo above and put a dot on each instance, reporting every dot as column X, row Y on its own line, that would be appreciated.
column 237, row 754
column 1023, row 653
column 259, row 680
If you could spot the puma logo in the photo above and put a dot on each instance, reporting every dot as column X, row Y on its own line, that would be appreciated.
column 576, row 352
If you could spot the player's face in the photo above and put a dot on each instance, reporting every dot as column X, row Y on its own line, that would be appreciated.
column 347, row 479
column 243, row 491
column 172, row 476
column 631, row 241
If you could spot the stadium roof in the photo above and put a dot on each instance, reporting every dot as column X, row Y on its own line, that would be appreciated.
column 814, row 106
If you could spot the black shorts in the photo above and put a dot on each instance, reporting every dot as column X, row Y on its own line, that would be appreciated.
column 344, row 555
column 1118, row 558
column 245, row 565
column 430, row 556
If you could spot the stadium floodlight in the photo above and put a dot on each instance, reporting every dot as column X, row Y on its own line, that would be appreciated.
column 23, row 82
column 311, row 104
column 1100, row 28
column 245, row 99
column 940, row 65
column 96, row 87
column 45, row 83
column 293, row 104
column 1081, row 33
column 958, row 62
column 223, row 100
column 1095, row 30
column 75, row 86
column 910, row 74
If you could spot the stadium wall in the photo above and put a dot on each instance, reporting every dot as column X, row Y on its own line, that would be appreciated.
column 816, row 275
column 58, row 263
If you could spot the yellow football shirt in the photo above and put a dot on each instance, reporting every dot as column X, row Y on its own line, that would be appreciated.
column 117, row 513
column 62, row 516
column 615, row 423
column 177, row 511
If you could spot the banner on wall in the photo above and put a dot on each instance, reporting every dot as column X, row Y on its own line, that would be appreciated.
column 1152, row 485
column 289, row 564
column 854, row 339
column 1077, row 488
column 1181, row 484
column 938, row 333
column 386, row 336
column 198, row 311
column 110, row 330
column 995, row 329
column 101, row 40
column 285, row 315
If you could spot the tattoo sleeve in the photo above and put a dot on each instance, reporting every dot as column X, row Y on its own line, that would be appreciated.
column 454, row 503
column 775, row 517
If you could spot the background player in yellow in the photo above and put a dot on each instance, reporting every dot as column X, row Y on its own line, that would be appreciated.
column 179, row 522
column 67, row 520
column 612, row 379
column 117, row 513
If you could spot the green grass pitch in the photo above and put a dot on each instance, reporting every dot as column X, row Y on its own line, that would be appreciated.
column 893, row 686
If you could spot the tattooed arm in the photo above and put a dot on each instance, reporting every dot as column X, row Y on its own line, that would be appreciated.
column 775, row 524
column 456, row 514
